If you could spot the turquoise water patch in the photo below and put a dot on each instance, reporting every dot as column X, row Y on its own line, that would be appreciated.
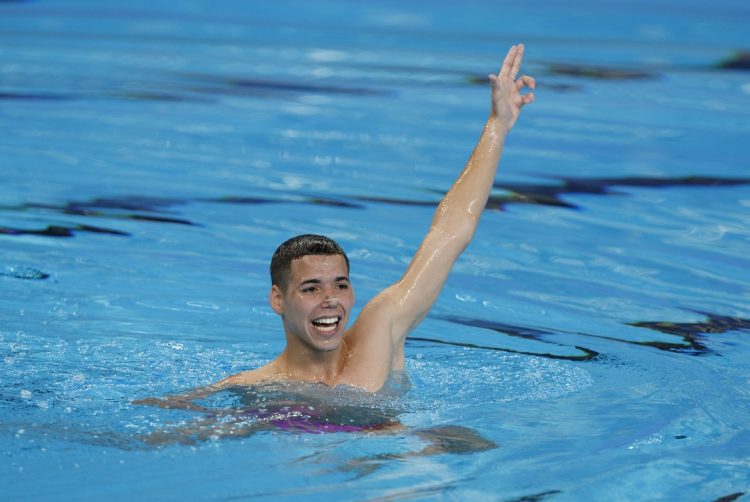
column 591, row 342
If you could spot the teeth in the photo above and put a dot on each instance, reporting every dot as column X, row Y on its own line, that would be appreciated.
column 326, row 324
column 327, row 320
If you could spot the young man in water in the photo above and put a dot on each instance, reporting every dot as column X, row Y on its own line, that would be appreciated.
column 312, row 293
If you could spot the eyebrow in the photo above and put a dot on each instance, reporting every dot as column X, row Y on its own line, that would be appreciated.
column 318, row 281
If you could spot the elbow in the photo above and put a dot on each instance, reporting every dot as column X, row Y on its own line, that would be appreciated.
column 463, row 231
column 458, row 236
column 455, row 226
column 461, row 238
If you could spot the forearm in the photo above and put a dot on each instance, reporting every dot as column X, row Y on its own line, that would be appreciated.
column 183, row 401
column 459, row 212
column 172, row 403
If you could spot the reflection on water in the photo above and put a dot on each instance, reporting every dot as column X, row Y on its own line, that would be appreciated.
column 598, row 72
column 692, row 336
column 158, row 210
column 738, row 61
column 693, row 333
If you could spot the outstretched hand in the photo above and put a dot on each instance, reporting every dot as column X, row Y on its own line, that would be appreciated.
column 507, row 99
column 170, row 403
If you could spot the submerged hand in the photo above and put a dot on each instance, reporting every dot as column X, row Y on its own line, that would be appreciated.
column 153, row 401
column 170, row 403
column 507, row 99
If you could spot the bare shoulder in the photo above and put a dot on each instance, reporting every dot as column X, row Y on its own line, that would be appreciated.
column 376, row 318
column 251, row 377
column 372, row 347
column 386, row 303
column 390, row 312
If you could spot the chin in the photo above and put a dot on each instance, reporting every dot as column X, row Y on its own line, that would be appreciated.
column 327, row 345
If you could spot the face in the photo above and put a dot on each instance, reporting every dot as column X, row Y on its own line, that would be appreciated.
column 315, row 306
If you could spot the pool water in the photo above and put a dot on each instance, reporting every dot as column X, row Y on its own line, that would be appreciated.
column 591, row 343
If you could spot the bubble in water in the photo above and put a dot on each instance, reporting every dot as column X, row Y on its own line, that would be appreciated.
column 465, row 379
column 175, row 346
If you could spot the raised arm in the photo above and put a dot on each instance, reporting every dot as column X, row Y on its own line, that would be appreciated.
column 456, row 218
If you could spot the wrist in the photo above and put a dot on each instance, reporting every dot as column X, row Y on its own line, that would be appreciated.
column 496, row 128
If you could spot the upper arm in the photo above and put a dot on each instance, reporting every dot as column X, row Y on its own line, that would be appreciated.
column 404, row 304
column 418, row 289
column 376, row 341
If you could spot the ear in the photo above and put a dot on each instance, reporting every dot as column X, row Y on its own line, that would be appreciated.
column 276, row 299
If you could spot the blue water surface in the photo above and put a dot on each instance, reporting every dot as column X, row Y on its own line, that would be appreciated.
column 596, row 331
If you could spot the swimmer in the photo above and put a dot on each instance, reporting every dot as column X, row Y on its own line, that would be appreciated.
column 313, row 295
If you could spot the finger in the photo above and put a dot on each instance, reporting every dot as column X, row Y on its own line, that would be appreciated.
column 527, row 98
column 507, row 66
column 525, row 81
column 517, row 60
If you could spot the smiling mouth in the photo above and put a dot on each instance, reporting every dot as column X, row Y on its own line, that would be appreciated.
column 326, row 325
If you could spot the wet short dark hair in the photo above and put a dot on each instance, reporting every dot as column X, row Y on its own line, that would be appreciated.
column 297, row 247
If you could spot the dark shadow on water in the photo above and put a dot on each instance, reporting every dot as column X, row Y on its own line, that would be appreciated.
column 599, row 72
column 99, row 95
column 692, row 336
column 730, row 498
column 149, row 209
column 122, row 208
column 61, row 231
column 536, row 497
column 737, row 61
column 241, row 86
column 538, row 335
column 139, row 208
column 549, row 195
column 693, row 333
column 161, row 209
column 545, row 194
column 28, row 96
column 445, row 439
column 315, row 200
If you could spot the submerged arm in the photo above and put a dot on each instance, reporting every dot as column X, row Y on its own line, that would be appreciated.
column 185, row 401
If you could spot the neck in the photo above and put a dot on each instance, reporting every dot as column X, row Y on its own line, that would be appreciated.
column 306, row 365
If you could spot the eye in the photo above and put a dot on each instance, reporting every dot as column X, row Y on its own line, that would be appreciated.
column 310, row 289
column 342, row 286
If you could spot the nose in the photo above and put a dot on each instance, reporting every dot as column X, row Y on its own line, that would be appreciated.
column 331, row 299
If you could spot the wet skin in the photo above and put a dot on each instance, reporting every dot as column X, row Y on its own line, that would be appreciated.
column 315, row 304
